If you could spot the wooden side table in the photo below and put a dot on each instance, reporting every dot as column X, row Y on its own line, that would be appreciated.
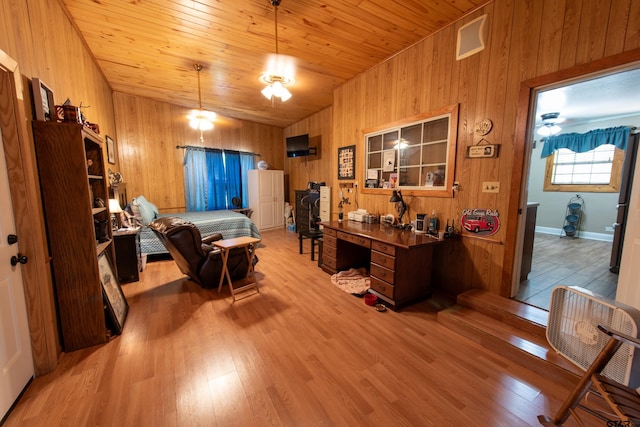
column 128, row 257
column 225, row 247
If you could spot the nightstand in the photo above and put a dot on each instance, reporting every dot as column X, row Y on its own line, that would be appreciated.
column 128, row 256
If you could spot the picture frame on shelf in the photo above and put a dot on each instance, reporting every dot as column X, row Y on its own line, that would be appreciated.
column 111, row 149
column 347, row 162
column 43, row 104
column 115, row 301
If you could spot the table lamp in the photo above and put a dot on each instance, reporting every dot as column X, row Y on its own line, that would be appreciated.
column 401, row 206
column 115, row 210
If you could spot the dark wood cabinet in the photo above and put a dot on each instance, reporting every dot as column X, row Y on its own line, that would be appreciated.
column 72, row 176
column 128, row 256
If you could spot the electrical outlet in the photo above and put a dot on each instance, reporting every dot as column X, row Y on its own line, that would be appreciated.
column 608, row 229
column 490, row 187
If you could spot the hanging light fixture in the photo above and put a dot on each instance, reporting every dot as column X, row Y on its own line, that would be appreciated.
column 549, row 124
column 279, row 75
column 201, row 119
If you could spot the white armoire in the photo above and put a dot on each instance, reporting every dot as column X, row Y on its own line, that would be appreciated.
column 266, row 198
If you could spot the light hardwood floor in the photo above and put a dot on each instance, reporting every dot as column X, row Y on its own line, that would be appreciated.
column 299, row 353
column 569, row 262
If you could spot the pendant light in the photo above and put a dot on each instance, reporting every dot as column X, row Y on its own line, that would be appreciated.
column 201, row 119
column 277, row 78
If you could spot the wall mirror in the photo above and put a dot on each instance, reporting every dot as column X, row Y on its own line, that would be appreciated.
column 416, row 154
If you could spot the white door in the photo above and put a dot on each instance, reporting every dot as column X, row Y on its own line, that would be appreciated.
column 266, row 198
column 16, row 361
column 628, row 291
column 278, row 198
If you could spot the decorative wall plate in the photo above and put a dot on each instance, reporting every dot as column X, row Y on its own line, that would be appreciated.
column 484, row 127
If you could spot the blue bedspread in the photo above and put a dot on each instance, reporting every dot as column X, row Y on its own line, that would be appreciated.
column 228, row 223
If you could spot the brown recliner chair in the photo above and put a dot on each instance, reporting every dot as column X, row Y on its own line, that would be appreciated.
column 195, row 256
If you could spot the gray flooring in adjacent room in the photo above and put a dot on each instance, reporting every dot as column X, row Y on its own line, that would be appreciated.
column 570, row 262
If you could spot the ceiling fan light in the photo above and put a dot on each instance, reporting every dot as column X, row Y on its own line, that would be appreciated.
column 284, row 94
column 268, row 92
column 280, row 68
column 544, row 131
column 201, row 119
column 554, row 129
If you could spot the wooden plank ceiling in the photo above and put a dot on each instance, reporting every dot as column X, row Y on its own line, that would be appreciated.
column 148, row 47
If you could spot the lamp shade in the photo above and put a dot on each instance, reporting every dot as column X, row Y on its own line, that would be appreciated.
column 114, row 206
column 396, row 196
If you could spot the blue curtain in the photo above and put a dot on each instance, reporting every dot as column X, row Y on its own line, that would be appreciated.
column 213, row 177
column 583, row 142
column 246, row 164
column 234, row 177
column 195, row 179
column 217, row 189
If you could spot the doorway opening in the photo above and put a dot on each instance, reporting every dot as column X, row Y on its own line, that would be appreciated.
column 580, row 257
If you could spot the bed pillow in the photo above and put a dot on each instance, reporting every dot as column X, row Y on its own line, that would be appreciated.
column 147, row 210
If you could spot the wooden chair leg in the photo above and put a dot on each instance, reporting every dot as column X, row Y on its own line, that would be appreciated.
column 583, row 386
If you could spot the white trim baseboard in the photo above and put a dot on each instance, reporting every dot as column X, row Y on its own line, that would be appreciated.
column 581, row 234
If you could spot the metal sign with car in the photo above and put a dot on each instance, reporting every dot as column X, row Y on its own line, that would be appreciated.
column 482, row 222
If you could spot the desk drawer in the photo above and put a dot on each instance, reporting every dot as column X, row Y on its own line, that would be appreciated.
column 383, row 273
column 328, row 251
column 358, row 240
column 328, row 241
column 383, row 287
column 329, row 232
column 383, row 260
column 383, row 247
column 328, row 261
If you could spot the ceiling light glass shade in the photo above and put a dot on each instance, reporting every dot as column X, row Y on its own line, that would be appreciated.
column 548, row 130
column 276, row 86
column 201, row 119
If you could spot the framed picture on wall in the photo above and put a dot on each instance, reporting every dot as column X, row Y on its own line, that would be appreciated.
column 43, row 105
column 115, row 302
column 111, row 150
column 347, row 162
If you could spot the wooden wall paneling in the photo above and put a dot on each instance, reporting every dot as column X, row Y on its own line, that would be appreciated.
column 618, row 23
column 632, row 34
column 313, row 168
column 570, row 33
column 593, row 31
column 549, row 44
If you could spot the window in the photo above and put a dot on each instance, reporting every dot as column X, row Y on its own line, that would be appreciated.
column 213, row 177
column 596, row 171
column 415, row 154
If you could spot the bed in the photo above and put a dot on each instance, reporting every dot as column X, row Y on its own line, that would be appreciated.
column 228, row 223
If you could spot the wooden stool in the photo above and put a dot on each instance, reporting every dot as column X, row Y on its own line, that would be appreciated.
column 225, row 246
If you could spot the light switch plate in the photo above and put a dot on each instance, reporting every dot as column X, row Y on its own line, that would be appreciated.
column 490, row 187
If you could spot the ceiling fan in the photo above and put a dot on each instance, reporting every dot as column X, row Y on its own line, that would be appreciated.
column 550, row 124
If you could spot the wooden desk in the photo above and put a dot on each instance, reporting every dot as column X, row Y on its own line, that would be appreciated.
column 225, row 246
column 399, row 261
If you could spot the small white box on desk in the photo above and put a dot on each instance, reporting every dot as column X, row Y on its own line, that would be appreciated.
column 357, row 215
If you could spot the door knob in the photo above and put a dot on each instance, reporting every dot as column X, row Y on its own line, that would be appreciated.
column 18, row 259
column 12, row 239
